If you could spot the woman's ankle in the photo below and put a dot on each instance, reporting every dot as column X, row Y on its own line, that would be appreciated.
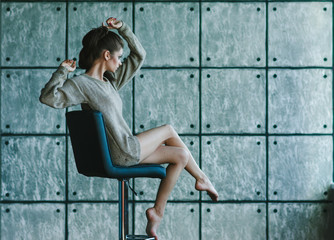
column 159, row 211
column 202, row 178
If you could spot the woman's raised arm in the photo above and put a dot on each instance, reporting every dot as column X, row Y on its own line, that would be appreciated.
column 133, row 61
column 61, row 92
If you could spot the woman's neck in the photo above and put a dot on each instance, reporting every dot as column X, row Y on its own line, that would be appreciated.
column 96, row 71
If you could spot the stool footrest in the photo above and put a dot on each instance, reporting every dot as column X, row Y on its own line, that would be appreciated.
column 139, row 237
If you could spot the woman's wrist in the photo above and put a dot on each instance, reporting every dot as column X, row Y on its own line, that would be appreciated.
column 122, row 26
column 62, row 70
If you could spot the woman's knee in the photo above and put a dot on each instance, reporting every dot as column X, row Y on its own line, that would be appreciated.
column 170, row 129
column 182, row 157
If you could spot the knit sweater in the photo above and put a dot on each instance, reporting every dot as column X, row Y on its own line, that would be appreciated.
column 103, row 96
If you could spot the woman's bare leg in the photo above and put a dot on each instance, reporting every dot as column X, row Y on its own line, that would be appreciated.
column 178, row 155
column 202, row 181
column 177, row 158
column 166, row 134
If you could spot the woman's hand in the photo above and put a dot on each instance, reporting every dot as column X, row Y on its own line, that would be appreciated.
column 70, row 65
column 113, row 23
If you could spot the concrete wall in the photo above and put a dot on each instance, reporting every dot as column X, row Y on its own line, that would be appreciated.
column 250, row 91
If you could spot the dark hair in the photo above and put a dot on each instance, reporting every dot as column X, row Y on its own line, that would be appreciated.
column 94, row 42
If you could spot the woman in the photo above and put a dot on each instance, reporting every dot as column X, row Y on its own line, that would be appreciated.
column 97, row 89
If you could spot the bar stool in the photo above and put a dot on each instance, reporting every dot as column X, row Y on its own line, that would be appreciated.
column 93, row 159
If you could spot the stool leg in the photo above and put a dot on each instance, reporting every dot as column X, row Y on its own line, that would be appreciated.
column 123, row 210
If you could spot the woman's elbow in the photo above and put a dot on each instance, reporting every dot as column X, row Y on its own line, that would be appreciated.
column 142, row 54
column 42, row 99
column 49, row 102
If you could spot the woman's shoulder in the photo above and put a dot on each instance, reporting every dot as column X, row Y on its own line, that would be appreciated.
column 80, row 79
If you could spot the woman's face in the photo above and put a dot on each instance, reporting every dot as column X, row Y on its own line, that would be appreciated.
column 115, row 60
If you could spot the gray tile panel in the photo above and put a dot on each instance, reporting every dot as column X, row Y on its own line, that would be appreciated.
column 233, row 34
column 233, row 101
column 172, row 39
column 92, row 221
column 29, row 27
column 234, row 221
column 167, row 96
column 33, row 168
column 236, row 166
column 300, row 167
column 300, row 34
column 21, row 110
column 33, row 221
column 305, row 221
column 300, row 101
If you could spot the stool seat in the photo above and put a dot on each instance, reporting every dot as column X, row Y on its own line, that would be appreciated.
column 142, row 170
column 94, row 159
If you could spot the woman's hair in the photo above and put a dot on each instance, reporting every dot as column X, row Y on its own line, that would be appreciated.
column 94, row 42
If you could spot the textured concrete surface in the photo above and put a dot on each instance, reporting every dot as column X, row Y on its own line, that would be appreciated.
column 250, row 128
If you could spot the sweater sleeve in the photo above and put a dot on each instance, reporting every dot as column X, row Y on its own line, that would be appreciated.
column 61, row 92
column 132, row 63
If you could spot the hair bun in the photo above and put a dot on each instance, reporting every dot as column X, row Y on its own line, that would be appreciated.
column 93, row 37
column 104, row 32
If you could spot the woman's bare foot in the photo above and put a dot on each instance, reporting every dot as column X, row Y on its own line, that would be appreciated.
column 153, row 221
column 204, row 184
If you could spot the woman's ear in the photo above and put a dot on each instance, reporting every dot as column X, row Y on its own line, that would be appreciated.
column 106, row 55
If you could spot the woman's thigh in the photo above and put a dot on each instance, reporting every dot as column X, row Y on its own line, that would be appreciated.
column 151, row 139
column 166, row 154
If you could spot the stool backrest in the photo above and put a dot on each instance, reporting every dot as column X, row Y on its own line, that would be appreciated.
column 89, row 143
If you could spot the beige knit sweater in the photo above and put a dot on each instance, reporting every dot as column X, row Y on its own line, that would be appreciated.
column 94, row 94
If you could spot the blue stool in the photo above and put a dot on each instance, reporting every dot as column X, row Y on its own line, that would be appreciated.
column 93, row 159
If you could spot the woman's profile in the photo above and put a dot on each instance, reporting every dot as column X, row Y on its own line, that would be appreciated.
column 97, row 89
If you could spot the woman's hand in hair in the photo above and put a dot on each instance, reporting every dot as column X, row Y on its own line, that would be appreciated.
column 113, row 23
column 70, row 65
